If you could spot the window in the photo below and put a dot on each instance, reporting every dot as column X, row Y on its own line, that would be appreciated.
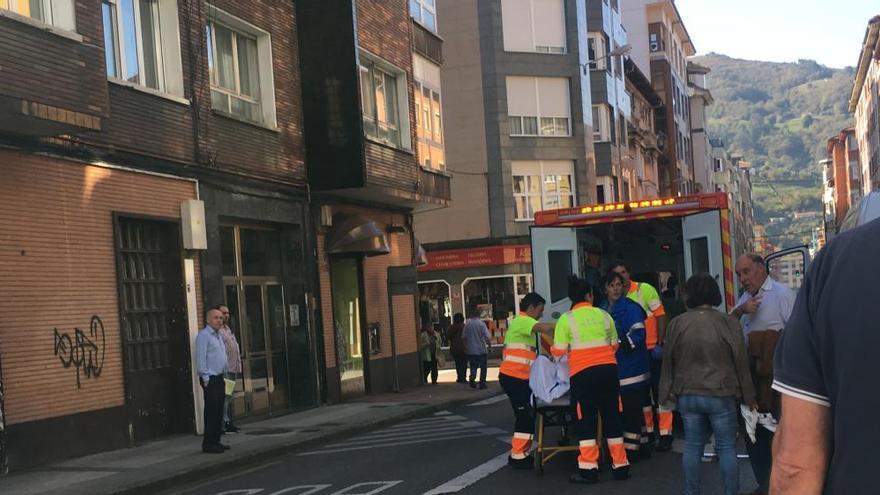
column 382, row 99
column 429, row 127
column 424, row 12
column 142, row 44
column 559, row 269
column 533, row 25
column 538, row 106
column 58, row 13
column 596, row 47
column 541, row 185
column 601, row 123
column 240, row 67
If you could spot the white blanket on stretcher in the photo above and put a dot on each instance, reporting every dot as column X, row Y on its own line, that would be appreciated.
column 548, row 379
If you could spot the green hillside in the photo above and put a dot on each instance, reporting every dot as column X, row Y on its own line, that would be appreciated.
column 779, row 116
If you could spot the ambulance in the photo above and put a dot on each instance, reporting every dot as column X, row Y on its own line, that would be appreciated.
column 657, row 238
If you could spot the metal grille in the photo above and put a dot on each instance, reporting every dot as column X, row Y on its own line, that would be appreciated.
column 144, row 311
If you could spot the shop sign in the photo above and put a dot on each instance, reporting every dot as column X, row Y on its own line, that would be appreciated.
column 469, row 258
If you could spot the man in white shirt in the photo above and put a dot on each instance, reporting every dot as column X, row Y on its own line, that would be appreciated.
column 764, row 306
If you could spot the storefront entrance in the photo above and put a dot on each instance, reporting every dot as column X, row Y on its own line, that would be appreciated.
column 348, row 318
column 257, row 300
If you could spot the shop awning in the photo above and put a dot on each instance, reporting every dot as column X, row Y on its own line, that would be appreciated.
column 356, row 234
column 421, row 255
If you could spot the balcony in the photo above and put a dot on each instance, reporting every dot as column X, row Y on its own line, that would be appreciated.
column 434, row 186
column 53, row 82
column 427, row 43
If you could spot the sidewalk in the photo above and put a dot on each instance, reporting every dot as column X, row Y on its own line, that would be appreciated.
column 165, row 463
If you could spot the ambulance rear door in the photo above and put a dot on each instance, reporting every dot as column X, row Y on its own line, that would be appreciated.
column 554, row 258
column 701, row 234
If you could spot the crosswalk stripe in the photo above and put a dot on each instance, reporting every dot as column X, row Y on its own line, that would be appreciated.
column 389, row 438
column 490, row 400
column 465, row 425
column 431, row 419
column 477, row 433
column 427, row 426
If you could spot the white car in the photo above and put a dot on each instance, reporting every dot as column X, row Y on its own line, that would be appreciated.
column 865, row 210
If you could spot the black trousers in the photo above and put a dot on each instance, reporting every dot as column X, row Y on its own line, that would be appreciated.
column 518, row 392
column 761, row 456
column 596, row 391
column 215, row 395
column 633, row 398
column 430, row 369
column 461, row 364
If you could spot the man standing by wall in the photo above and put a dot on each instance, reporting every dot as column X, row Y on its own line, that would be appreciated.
column 233, row 371
column 211, row 363
column 763, row 310
column 476, row 341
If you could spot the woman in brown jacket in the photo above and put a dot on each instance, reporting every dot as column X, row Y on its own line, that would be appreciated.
column 705, row 376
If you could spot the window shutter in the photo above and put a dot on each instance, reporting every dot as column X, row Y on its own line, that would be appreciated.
column 521, row 97
column 516, row 20
column 553, row 100
column 549, row 23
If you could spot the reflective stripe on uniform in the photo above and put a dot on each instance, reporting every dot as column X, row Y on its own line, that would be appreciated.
column 524, row 436
column 519, row 360
column 520, row 346
column 635, row 379
column 591, row 345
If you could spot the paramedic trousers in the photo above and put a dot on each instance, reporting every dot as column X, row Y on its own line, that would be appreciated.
column 519, row 393
column 595, row 392
column 633, row 398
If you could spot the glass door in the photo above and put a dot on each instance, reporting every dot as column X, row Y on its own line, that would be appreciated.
column 345, row 280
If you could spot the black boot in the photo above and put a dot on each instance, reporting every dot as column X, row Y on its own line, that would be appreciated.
column 621, row 473
column 526, row 463
column 633, row 456
column 665, row 443
column 645, row 451
column 585, row 477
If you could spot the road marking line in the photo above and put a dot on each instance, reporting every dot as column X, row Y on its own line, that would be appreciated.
column 459, row 483
column 313, row 489
column 406, row 435
column 479, row 433
column 442, row 413
column 424, row 426
column 490, row 400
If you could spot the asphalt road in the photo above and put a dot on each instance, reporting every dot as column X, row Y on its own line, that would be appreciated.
column 461, row 451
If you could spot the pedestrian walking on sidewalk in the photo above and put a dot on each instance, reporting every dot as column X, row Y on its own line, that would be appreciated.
column 476, row 346
column 519, row 354
column 589, row 337
column 429, row 341
column 233, row 370
column 455, row 334
column 706, row 377
column 211, row 363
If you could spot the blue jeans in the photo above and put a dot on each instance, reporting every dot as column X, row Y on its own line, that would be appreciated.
column 699, row 413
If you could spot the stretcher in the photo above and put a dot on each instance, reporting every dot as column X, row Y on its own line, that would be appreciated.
column 557, row 414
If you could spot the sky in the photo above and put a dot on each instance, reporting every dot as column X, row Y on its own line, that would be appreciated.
column 827, row 31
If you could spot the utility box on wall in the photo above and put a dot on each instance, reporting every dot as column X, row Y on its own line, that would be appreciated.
column 192, row 222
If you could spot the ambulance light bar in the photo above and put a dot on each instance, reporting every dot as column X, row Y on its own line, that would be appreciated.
column 640, row 207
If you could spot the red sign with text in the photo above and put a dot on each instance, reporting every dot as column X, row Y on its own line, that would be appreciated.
column 469, row 258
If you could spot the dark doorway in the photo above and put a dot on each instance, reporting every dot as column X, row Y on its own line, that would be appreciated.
column 348, row 324
column 153, row 323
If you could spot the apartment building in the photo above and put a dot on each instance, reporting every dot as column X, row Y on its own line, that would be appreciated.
column 845, row 172
column 153, row 165
column 661, row 45
column 516, row 80
column 616, row 178
column 700, row 99
column 643, row 147
column 864, row 102
column 732, row 174
column 374, row 141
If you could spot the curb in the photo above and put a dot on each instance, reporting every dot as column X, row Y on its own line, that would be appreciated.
column 243, row 461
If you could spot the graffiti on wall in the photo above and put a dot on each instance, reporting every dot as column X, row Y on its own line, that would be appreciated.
column 84, row 350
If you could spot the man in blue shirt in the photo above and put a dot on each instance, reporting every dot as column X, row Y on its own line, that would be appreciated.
column 211, row 363
column 476, row 340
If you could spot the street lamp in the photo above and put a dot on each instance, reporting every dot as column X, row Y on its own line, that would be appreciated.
column 617, row 52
